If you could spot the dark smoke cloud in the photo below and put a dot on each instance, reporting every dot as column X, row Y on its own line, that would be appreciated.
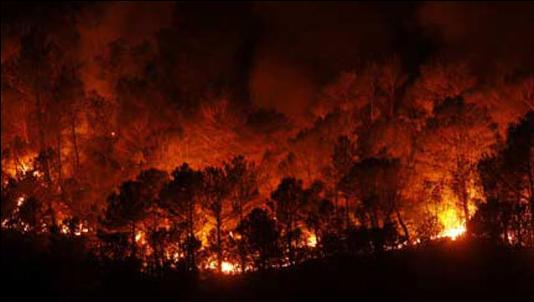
column 492, row 35
column 305, row 44
column 103, row 23
column 277, row 55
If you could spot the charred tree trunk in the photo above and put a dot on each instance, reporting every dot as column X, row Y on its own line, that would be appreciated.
column 403, row 225
column 263, row 258
column 42, row 141
column 59, row 166
column 347, row 217
column 336, row 198
column 191, row 237
column 219, row 242
column 530, row 166
column 44, row 151
column 461, row 186
column 464, row 200
column 74, row 144
column 242, row 253
column 134, row 243
column 289, row 241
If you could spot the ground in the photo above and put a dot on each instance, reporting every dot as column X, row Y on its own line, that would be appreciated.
column 444, row 271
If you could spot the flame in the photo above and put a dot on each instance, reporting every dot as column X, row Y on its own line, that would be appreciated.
column 227, row 267
column 453, row 226
column 140, row 237
column 22, row 164
column 311, row 241
column 64, row 229
column 20, row 201
column 453, row 233
column 24, row 167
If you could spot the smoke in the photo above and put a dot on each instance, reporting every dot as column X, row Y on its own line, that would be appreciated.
column 304, row 45
column 282, row 86
column 496, row 37
column 103, row 23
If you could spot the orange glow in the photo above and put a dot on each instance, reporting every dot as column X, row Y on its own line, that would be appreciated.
column 22, row 165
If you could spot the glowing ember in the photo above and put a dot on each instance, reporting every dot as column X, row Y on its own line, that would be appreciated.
column 139, row 237
column 64, row 229
column 20, row 201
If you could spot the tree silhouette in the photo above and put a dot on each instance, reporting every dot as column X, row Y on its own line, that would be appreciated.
column 125, row 208
column 289, row 204
column 216, row 189
column 507, row 181
column 180, row 197
column 319, row 211
column 260, row 235
column 243, row 179
column 374, row 182
column 343, row 157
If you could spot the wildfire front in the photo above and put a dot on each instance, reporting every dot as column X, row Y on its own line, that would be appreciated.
column 267, row 151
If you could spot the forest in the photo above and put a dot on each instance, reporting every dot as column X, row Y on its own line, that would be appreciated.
column 226, row 147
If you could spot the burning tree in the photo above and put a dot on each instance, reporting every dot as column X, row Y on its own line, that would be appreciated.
column 453, row 142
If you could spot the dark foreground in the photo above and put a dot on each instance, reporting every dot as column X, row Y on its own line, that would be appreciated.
column 445, row 271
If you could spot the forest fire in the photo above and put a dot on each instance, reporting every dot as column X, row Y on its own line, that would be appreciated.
column 176, row 140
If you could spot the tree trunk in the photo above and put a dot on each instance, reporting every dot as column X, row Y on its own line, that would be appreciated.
column 530, row 161
column 347, row 218
column 42, row 141
column 191, row 235
column 242, row 256
column 74, row 144
column 289, row 241
column 403, row 225
column 374, row 218
column 336, row 199
column 134, row 243
column 43, row 148
column 462, row 169
column 219, row 244
column 59, row 166
column 465, row 202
